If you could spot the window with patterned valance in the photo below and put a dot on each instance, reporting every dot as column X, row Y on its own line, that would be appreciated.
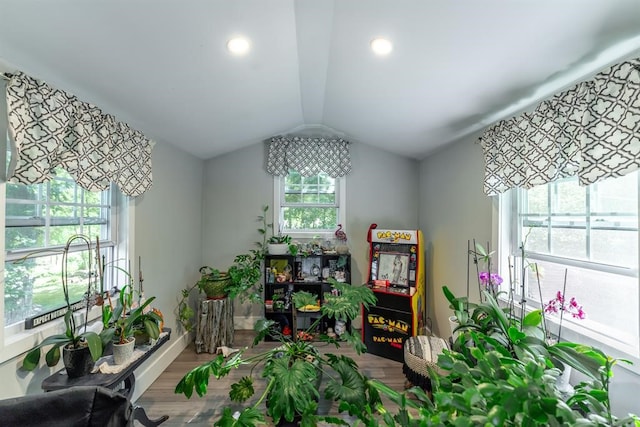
column 49, row 128
column 591, row 130
column 308, row 156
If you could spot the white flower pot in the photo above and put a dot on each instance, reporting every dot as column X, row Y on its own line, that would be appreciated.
column 278, row 248
column 453, row 324
column 123, row 352
column 563, row 381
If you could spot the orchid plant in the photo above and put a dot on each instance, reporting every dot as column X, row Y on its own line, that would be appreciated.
column 560, row 305
column 487, row 280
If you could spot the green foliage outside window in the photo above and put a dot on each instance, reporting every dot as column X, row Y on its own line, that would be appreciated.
column 310, row 203
column 42, row 216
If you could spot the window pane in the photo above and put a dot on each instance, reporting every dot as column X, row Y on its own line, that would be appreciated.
column 34, row 286
column 293, row 198
column 614, row 247
column 569, row 197
column 44, row 216
column 23, row 238
column 24, row 192
column 63, row 191
column 568, row 242
column 585, row 230
column 309, row 218
column 303, row 200
column 92, row 197
column 64, row 211
column 537, row 201
column 60, row 235
column 16, row 211
column 616, row 195
column 609, row 300
column 536, row 238
column 327, row 199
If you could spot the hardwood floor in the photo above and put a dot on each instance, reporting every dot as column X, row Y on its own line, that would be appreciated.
column 160, row 399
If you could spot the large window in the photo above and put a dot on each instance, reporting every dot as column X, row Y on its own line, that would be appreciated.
column 588, row 238
column 310, row 205
column 38, row 221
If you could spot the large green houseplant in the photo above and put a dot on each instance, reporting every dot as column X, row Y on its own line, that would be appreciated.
column 502, row 371
column 292, row 369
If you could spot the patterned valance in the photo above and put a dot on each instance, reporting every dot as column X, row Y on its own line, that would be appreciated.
column 308, row 156
column 50, row 128
column 591, row 130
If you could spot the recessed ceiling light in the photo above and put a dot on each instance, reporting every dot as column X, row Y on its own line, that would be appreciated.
column 381, row 46
column 238, row 45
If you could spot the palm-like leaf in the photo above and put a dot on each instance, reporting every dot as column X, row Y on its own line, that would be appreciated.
column 242, row 390
column 349, row 385
column 249, row 417
column 295, row 391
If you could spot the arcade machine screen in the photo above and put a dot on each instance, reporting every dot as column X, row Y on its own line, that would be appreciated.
column 393, row 267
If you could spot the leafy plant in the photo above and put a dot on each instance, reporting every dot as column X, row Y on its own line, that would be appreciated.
column 245, row 274
column 502, row 372
column 293, row 368
column 72, row 337
column 126, row 318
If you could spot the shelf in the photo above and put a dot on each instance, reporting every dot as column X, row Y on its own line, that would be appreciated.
column 309, row 274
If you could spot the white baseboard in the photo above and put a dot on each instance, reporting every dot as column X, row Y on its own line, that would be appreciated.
column 151, row 369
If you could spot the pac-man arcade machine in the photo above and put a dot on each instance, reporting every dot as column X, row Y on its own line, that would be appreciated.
column 397, row 277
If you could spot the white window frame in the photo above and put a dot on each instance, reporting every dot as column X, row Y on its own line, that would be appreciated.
column 15, row 340
column 278, row 198
column 503, row 228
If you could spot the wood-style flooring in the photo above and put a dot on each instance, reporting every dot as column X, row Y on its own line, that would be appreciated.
column 160, row 399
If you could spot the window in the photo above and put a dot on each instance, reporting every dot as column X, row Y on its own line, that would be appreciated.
column 39, row 219
column 308, row 205
column 591, row 235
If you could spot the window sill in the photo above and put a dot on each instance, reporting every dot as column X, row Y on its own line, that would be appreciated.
column 18, row 343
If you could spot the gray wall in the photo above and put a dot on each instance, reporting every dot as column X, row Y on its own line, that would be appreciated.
column 454, row 209
column 168, row 222
column 382, row 188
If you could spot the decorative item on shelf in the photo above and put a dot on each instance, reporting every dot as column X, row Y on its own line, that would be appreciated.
column 341, row 237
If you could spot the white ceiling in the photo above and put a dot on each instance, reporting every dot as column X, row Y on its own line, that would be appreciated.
column 456, row 66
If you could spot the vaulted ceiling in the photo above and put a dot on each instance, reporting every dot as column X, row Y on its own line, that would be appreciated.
column 162, row 65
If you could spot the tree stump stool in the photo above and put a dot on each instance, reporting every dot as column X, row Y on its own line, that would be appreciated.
column 421, row 352
column 215, row 325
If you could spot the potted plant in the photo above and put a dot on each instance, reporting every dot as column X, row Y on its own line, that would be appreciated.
column 126, row 319
column 501, row 371
column 80, row 348
column 292, row 369
column 213, row 282
column 279, row 244
column 147, row 327
column 241, row 280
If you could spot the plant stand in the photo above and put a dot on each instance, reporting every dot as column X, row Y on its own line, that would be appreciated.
column 215, row 325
